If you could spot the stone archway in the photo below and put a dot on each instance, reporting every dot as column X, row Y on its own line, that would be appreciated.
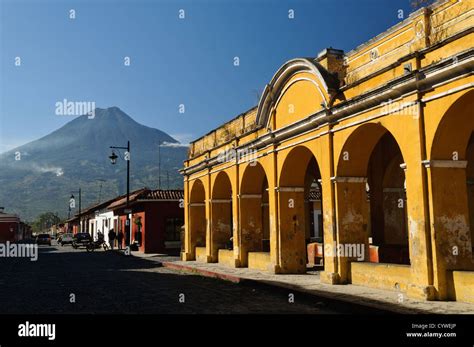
column 221, row 215
column 298, row 182
column 197, row 221
column 371, row 203
column 388, row 229
column 254, row 224
column 450, row 174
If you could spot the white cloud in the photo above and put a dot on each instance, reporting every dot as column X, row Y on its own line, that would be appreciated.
column 173, row 144
column 42, row 169
column 5, row 147
column 185, row 139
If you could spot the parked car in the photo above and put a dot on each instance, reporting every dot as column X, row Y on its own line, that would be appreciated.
column 66, row 239
column 43, row 239
column 81, row 240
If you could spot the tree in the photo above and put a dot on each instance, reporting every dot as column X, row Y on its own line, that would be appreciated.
column 44, row 221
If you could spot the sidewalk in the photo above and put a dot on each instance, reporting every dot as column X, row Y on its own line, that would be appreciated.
column 310, row 284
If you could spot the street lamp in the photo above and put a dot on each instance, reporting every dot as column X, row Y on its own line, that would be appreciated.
column 113, row 160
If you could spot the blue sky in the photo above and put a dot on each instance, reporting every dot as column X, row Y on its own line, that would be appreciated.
column 173, row 61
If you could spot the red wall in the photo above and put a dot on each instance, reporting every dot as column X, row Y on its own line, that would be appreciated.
column 153, row 217
column 122, row 220
column 142, row 216
column 5, row 233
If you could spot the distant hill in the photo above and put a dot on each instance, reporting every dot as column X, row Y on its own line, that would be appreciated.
column 76, row 155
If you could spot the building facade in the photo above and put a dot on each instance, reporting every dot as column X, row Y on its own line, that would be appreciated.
column 385, row 133
column 12, row 229
column 156, row 218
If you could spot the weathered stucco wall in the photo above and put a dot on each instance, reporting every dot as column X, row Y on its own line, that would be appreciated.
column 385, row 128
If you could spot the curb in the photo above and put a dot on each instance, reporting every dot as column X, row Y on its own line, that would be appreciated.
column 368, row 303
column 205, row 273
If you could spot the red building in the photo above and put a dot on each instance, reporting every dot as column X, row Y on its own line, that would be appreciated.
column 72, row 225
column 156, row 219
column 12, row 228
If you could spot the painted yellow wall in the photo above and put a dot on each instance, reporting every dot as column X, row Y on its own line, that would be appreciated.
column 427, row 123
column 464, row 286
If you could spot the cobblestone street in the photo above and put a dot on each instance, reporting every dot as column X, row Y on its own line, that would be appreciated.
column 108, row 282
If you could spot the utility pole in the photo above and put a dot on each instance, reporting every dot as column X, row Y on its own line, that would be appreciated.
column 80, row 201
column 159, row 165
column 100, row 189
column 113, row 159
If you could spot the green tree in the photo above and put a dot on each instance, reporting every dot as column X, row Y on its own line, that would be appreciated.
column 44, row 221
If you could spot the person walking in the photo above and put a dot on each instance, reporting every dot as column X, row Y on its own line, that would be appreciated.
column 111, row 238
column 120, row 239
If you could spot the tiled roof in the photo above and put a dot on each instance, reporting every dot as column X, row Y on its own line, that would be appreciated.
column 122, row 200
column 9, row 217
column 160, row 194
column 96, row 207
column 146, row 194
column 72, row 219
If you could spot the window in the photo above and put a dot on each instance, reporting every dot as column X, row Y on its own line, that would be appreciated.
column 173, row 229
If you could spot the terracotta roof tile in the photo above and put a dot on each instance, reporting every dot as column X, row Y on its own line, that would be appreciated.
column 160, row 194
column 121, row 200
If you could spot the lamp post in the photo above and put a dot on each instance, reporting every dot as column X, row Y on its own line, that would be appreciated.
column 100, row 189
column 113, row 159
column 72, row 200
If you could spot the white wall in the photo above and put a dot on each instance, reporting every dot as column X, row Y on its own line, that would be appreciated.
column 104, row 222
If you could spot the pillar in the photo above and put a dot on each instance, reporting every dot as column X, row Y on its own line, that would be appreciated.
column 292, row 230
column 450, row 228
column 330, row 275
column 220, row 230
column 250, row 223
column 273, row 211
column 352, row 222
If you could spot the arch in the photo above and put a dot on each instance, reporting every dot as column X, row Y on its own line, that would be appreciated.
column 327, row 84
column 300, row 213
column 252, row 178
column 221, row 230
column 222, row 187
column 197, row 218
column 450, row 171
column 371, row 196
column 470, row 185
column 198, row 193
column 355, row 154
column 254, row 218
column 454, row 130
column 293, row 104
column 293, row 172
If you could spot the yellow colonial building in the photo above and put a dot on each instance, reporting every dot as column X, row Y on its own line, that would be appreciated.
column 360, row 162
